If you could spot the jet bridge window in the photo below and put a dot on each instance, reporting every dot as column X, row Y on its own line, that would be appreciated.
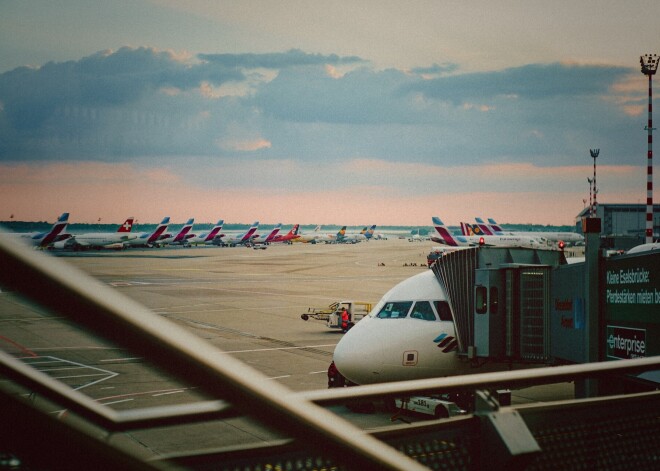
column 481, row 299
column 423, row 311
column 395, row 310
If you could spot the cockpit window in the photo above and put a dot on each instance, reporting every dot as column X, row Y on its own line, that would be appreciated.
column 443, row 310
column 423, row 311
column 395, row 310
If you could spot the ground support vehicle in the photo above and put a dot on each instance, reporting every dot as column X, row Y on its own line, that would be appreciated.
column 331, row 315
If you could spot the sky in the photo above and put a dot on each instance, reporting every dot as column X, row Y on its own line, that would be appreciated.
column 344, row 112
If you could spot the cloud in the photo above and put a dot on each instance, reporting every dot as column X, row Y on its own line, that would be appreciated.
column 533, row 81
column 291, row 58
column 136, row 103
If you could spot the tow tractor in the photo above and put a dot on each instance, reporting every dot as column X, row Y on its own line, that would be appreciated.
column 331, row 315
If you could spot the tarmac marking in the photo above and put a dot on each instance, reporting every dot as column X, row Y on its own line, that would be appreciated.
column 152, row 393
column 23, row 349
column 77, row 376
column 278, row 348
column 41, row 361
column 117, row 402
column 120, row 359
column 280, row 377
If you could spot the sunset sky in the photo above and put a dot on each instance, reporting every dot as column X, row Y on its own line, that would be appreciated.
column 343, row 112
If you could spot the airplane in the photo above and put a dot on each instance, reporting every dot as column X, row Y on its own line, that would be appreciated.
column 309, row 237
column 232, row 240
column 150, row 239
column 353, row 237
column 182, row 236
column 269, row 238
column 551, row 236
column 48, row 238
column 340, row 237
column 370, row 233
column 414, row 321
column 415, row 237
column 648, row 247
column 102, row 240
column 331, row 238
column 289, row 237
column 447, row 238
column 207, row 237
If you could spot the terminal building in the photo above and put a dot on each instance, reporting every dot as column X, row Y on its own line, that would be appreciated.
column 623, row 225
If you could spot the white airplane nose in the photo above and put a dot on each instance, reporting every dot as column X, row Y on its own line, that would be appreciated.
column 357, row 356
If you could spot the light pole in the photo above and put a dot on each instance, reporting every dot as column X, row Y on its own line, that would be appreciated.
column 590, row 193
column 594, row 154
column 649, row 63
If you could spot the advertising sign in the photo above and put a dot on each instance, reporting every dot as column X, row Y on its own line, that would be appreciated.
column 632, row 306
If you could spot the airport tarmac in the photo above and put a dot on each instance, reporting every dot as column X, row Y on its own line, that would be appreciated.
column 246, row 302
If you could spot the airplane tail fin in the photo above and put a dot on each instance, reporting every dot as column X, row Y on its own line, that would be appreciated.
column 162, row 227
column 476, row 229
column 183, row 233
column 274, row 232
column 445, row 236
column 127, row 226
column 250, row 234
column 214, row 232
column 56, row 230
column 495, row 227
column 465, row 229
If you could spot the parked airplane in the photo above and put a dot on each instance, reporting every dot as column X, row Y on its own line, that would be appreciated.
column 370, row 233
column 102, row 240
column 150, row 239
column 445, row 237
column 269, row 238
column 238, row 239
column 289, row 237
column 207, row 237
column 334, row 238
column 551, row 236
column 310, row 237
column 45, row 239
column 182, row 236
column 414, row 323
column 415, row 237
column 353, row 237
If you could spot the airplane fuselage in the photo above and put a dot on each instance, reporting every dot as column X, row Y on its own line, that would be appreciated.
column 409, row 334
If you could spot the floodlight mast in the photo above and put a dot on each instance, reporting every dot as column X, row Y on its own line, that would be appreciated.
column 649, row 63
column 594, row 154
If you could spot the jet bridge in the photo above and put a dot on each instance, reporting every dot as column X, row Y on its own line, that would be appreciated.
column 500, row 299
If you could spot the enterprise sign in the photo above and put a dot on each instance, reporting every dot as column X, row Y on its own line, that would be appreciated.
column 624, row 342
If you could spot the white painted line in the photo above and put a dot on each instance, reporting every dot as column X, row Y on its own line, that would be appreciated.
column 76, row 376
column 279, row 348
column 317, row 372
column 116, row 402
column 121, row 359
column 280, row 377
